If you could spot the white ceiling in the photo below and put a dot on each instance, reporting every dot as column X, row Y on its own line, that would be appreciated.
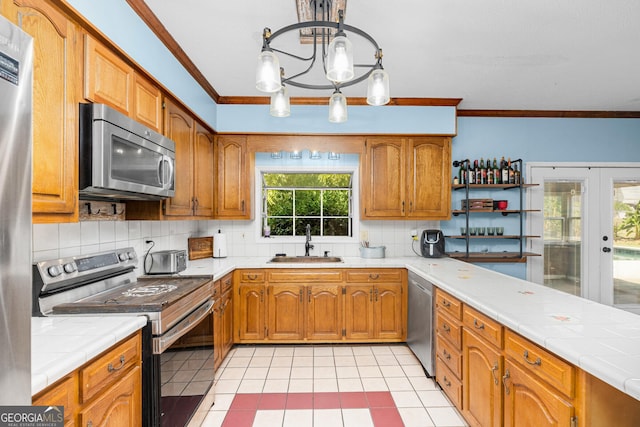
column 579, row 55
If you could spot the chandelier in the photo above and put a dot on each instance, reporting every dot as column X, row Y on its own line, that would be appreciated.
column 330, row 43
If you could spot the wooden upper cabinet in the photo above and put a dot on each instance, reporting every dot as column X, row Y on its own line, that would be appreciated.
column 180, row 128
column 429, row 168
column 233, row 195
column 383, row 183
column 406, row 177
column 147, row 103
column 108, row 79
column 56, row 94
column 203, row 172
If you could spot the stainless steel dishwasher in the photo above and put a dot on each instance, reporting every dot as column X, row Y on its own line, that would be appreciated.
column 420, row 321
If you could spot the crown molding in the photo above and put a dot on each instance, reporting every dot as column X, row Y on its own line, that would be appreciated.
column 152, row 21
column 415, row 102
column 551, row 114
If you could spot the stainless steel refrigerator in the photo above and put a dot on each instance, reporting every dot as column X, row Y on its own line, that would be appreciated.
column 16, row 83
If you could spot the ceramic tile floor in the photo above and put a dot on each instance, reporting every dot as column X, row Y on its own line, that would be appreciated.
column 328, row 386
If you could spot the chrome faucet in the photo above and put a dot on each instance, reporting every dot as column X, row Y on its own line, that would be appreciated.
column 307, row 245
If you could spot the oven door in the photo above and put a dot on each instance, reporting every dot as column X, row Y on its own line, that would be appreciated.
column 186, row 368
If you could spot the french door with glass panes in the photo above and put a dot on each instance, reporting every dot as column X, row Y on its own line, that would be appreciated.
column 589, row 221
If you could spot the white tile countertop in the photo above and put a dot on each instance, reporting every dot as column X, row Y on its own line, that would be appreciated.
column 602, row 340
column 60, row 344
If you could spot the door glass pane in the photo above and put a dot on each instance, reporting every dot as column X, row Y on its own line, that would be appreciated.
column 626, row 244
column 563, row 235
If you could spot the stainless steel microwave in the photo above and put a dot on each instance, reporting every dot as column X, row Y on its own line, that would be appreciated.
column 121, row 158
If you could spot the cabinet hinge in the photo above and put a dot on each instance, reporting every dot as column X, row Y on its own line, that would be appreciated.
column 574, row 421
column 266, row 331
column 164, row 105
column 344, row 290
column 344, row 332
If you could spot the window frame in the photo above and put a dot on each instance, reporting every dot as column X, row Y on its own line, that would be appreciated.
column 355, row 203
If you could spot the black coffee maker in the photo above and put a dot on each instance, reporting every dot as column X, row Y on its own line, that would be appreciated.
column 432, row 244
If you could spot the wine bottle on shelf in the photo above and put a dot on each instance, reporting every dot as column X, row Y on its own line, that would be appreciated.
column 476, row 169
column 471, row 175
column 512, row 177
column 490, row 179
column 517, row 175
column 497, row 179
column 504, row 168
column 462, row 174
column 483, row 172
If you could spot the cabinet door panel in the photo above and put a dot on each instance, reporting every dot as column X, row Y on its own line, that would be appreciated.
column 384, row 178
column 108, row 79
column 359, row 312
column 530, row 403
column 481, row 375
column 286, row 317
column 324, row 312
column 233, row 179
column 227, row 323
column 217, row 333
column 251, row 312
column 429, row 171
column 203, row 173
column 388, row 311
column 56, row 93
column 121, row 405
column 147, row 103
column 180, row 129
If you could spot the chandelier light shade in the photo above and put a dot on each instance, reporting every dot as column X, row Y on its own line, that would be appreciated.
column 378, row 87
column 340, row 60
column 332, row 55
column 337, row 108
column 268, row 72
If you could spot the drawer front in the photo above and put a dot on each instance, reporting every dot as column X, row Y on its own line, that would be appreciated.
column 109, row 367
column 374, row 275
column 216, row 289
column 447, row 303
column 226, row 283
column 545, row 365
column 483, row 326
column 449, row 355
column 450, row 330
column 449, row 383
column 252, row 276
column 305, row 276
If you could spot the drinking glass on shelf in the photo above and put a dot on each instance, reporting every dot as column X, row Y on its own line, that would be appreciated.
column 463, row 230
column 472, row 231
column 499, row 231
column 491, row 231
column 481, row 231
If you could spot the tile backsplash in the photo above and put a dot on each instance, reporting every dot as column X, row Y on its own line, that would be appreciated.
column 59, row 240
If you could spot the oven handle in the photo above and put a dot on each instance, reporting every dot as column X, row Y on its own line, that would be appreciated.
column 161, row 343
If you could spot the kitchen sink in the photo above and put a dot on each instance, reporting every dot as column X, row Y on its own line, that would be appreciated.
column 306, row 259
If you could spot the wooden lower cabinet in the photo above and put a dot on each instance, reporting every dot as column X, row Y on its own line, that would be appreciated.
column 482, row 390
column 250, row 310
column 118, row 406
column 286, row 312
column 227, row 322
column 324, row 312
column 107, row 391
column 496, row 377
column 301, row 305
column 530, row 402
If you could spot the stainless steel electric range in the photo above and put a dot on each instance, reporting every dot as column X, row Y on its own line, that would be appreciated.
column 177, row 378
